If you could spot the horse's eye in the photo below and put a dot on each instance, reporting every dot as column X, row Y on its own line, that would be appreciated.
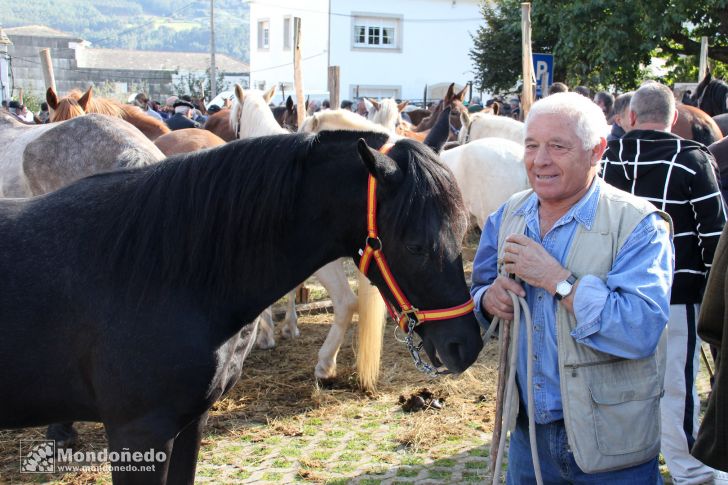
column 415, row 249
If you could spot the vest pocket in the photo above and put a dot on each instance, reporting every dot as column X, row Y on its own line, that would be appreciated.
column 624, row 418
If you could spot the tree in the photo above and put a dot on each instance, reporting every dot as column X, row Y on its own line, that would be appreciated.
column 599, row 43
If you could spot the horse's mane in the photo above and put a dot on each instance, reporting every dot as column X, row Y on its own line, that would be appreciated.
column 68, row 107
column 715, row 97
column 339, row 119
column 430, row 188
column 387, row 115
column 151, row 127
column 105, row 106
column 187, row 220
column 254, row 117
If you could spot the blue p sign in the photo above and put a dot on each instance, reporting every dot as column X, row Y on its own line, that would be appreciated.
column 543, row 64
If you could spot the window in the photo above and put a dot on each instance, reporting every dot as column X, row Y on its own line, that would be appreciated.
column 263, row 34
column 287, row 30
column 374, row 32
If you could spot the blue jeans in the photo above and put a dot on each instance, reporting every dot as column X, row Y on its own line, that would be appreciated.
column 557, row 461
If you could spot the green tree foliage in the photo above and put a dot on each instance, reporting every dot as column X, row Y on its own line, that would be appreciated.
column 598, row 43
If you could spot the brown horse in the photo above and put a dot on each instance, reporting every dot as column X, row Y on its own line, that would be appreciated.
column 78, row 104
column 417, row 115
column 455, row 102
column 695, row 124
column 219, row 124
column 187, row 140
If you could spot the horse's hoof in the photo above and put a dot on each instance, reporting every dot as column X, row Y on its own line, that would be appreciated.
column 287, row 333
column 266, row 344
column 325, row 373
column 64, row 434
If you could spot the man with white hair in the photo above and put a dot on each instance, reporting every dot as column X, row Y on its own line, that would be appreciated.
column 182, row 118
column 679, row 177
column 595, row 266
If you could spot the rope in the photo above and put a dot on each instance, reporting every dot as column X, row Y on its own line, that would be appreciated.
column 509, row 355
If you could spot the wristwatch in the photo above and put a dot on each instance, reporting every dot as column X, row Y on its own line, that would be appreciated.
column 564, row 287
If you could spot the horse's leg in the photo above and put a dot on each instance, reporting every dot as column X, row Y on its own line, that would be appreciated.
column 266, row 338
column 64, row 434
column 141, row 436
column 333, row 278
column 290, row 324
column 184, row 452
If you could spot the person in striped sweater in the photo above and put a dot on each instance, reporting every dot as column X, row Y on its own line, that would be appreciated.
column 680, row 177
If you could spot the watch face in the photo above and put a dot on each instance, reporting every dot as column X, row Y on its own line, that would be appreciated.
column 563, row 288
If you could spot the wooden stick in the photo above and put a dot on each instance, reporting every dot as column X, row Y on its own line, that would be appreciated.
column 47, row 66
column 297, row 75
column 334, row 86
column 527, row 61
column 504, row 343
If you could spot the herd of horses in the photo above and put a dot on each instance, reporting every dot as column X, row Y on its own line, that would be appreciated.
column 142, row 263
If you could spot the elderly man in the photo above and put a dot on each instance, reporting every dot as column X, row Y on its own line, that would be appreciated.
column 679, row 177
column 595, row 266
column 182, row 118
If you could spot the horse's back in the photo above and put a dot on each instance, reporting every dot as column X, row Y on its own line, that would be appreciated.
column 488, row 125
column 219, row 124
column 488, row 171
column 187, row 140
column 56, row 156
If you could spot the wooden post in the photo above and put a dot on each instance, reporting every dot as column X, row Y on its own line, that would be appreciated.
column 544, row 84
column 297, row 75
column 424, row 97
column 703, row 58
column 334, row 86
column 213, row 67
column 47, row 66
column 20, row 95
column 527, row 61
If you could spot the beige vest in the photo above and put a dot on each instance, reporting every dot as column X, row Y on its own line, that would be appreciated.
column 611, row 405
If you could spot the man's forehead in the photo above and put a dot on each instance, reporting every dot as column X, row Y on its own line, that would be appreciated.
column 551, row 126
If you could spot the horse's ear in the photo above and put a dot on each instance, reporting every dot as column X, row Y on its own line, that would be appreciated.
column 52, row 98
column 239, row 93
column 269, row 94
column 84, row 100
column 402, row 105
column 375, row 103
column 440, row 131
column 308, row 98
column 450, row 92
column 382, row 168
column 461, row 95
column 289, row 103
column 465, row 119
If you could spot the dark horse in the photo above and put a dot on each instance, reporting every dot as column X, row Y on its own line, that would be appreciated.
column 711, row 95
column 129, row 295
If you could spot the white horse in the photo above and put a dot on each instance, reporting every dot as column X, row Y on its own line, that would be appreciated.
column 387, row 113
column 488, row 171
column 485, row 125
column 251, row 116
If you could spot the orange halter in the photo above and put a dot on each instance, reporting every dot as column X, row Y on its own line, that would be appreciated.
column 410, row 316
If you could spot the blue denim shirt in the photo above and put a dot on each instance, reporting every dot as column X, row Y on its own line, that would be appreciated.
column 624, row 316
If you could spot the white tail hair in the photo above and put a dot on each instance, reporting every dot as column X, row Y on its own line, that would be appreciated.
column 371, row 330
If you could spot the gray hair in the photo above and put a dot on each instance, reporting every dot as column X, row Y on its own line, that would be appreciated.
column 653, row 103
column 589, row 122
column 182, row 109
column 622, row 102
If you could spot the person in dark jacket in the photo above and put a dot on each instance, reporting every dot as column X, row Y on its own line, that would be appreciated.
column 620, row 116
column 680, row 177
column 182, row 117
column 711, row 447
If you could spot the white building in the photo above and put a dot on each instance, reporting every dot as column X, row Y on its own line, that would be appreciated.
column 384, row 48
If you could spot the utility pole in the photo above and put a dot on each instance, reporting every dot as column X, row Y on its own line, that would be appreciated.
column 213, row 71
column 527, row 61
column 703, row 67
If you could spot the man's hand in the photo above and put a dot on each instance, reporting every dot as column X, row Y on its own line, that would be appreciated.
column 497, row 301
column 528, row 260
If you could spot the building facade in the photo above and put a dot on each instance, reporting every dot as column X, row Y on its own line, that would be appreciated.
column 120, row 72
column 383, row 48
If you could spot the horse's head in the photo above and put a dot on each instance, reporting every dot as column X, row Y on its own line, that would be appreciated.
column 421, row 221
column 73, row 105
column 697, row 97
column 387, row 113
column 251, row 115
column 287, row 115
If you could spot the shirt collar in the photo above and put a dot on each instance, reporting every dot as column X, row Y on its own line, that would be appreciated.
column 584, row 211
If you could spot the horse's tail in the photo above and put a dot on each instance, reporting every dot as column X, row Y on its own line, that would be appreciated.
column 371, row 329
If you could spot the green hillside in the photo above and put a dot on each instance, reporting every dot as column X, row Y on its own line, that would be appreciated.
column 140, row 24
